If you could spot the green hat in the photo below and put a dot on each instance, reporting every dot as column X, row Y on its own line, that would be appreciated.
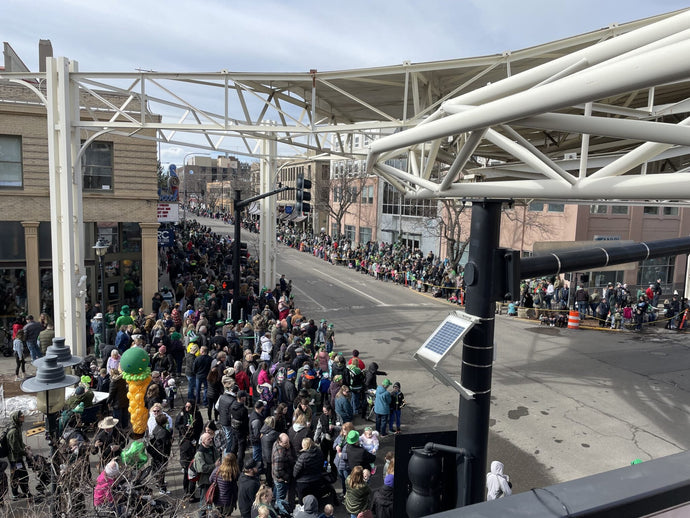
column 323, row 320
column 211, row 288
column 220, row 323
column 228, row 321
column 353, row 437
column 386, row 383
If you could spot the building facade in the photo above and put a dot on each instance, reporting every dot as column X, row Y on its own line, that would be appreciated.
column 120, row 199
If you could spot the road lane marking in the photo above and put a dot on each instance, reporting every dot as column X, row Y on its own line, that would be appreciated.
column 323, row 308
column 380, row 303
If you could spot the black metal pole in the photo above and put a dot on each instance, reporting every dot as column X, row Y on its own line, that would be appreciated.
column 477, row 351
column 560, row 261
column 236, row 258
column 101, row 264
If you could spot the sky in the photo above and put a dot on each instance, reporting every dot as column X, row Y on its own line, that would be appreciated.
column 297, row 35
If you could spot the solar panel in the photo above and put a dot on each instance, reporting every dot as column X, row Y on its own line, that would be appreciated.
column 446, row 336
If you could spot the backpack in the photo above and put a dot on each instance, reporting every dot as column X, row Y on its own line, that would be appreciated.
column 356, row 377
column 4, row 443
column 266, row 394
column 192, row 474
column 280, row 375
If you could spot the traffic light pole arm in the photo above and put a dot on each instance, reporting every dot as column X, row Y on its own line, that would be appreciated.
column 240, row 204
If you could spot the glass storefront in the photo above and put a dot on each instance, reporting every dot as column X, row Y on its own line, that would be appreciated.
column 12, row 294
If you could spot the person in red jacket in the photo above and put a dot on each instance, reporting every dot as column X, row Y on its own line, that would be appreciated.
column 355, row 360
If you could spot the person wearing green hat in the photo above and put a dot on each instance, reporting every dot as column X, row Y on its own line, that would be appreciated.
column 382, row 407
column 356, row 454
column 125, row 318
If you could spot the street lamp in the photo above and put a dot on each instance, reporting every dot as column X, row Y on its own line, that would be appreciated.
column 49, row 386
column 101, row 247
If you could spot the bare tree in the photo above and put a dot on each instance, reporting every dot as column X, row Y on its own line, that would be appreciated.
column 454, row 221
column 337, row 195
column 452, row 218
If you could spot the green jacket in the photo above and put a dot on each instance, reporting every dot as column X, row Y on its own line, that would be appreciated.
column 204, row 463
column 15, row 440
column 357, row 499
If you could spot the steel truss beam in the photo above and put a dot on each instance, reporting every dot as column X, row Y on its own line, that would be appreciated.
column 633, row 83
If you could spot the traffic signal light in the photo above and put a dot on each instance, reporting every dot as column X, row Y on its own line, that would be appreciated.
column 244, row 254
column 302, row 195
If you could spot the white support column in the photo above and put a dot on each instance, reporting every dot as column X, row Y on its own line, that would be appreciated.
column 267, row 236
column 66, row 212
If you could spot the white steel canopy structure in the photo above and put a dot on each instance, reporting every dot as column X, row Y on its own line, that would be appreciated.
column 612, row 101
column 606, row 122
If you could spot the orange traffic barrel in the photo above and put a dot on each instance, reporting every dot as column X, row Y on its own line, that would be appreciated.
column 574, row 320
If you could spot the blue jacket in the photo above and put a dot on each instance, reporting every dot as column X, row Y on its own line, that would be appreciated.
column 382, row 404
column 343, row 407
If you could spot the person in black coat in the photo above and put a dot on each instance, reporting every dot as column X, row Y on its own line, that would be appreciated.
column 370, row 374
column 159, row 448
column 269, row 436
column 188, row 446
column 382, row 502
column 308, row 470
column 189, row 418
column 239, row 421
column 356, row 455
column 118, row 400
column 108, row 442
column 247, row 487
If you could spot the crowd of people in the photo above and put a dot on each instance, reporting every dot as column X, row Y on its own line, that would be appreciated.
column 616, row 306
column 267, row 416
column 391, row 262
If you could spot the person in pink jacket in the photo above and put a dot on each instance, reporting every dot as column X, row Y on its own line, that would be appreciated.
column 103, row 497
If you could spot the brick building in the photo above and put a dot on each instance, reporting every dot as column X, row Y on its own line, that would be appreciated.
column 119, row 204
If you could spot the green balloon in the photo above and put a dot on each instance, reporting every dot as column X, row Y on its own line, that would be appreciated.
column 134, row 361
column 135, row 455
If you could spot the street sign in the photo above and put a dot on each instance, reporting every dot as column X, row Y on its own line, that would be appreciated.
column 166, row 237
column 168, row 212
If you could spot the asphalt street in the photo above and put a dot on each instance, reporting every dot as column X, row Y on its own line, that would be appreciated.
column 565, row 403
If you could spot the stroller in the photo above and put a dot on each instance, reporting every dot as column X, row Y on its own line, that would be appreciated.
column 370, row 399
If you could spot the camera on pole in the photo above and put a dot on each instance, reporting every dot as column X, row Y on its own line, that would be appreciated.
column 302, row 194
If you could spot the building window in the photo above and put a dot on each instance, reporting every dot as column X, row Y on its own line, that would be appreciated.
column 556, row 207
column 536, row 206
column 651, row 210
column 619, row 209
column 10, row 161
column 368, row 194
column 393, row 203
column 670, row 211
column 411, row 240
column 364, row 234
column 350, row 232
column 598, row 209
column 334, row 229
column 658, row 268
column 97, row 165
